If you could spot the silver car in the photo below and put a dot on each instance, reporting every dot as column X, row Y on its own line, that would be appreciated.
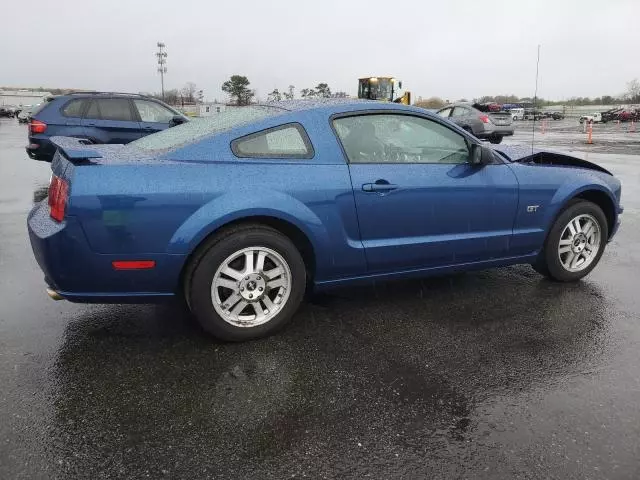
column 492, row 126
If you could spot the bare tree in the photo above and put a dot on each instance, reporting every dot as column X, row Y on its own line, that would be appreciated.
column 290, row 93
column 307, row 93
column 189, row 92
column 432, row 102
column 633, row 91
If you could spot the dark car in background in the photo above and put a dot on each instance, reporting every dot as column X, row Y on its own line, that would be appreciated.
column 97, row 117
column 487, row 125
column 7, row 111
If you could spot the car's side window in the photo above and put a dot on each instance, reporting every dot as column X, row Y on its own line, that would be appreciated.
column 92, row 111
column 285, row 141
column 445, row 112
column 73, row 108
column 460, row 112
column 396, row 138
column 113, row 109
column 153, row 112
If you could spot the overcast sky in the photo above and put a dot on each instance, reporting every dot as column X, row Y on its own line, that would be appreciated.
column 445, row 48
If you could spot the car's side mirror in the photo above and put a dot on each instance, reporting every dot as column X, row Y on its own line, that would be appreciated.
column 480, row 155
column 177, row 120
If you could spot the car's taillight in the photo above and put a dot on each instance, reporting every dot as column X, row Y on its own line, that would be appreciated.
column 58, row 194
column 484, row 118
column 36, row 126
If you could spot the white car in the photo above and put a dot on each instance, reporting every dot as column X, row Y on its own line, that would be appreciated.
column 594, row 118
column 25, row 113
column 517, row 113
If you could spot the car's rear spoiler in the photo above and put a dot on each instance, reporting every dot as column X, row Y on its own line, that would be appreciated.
column 76, row 150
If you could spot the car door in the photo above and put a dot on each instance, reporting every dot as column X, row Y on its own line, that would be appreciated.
column 420, row 203
column 72, row 112
column 153, row 116
column 111, row 120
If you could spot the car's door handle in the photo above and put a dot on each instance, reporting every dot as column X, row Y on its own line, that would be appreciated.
column 91, row 124
column 379, row 186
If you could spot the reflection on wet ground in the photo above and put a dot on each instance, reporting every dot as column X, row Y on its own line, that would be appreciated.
column 399, row 369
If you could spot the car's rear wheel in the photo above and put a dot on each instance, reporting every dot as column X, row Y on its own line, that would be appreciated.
column 575, row 243
column 495, row 139
column 246, row 283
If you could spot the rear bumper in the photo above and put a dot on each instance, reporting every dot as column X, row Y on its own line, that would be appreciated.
column 495, row 130
column 78, row 274
column 40, row 149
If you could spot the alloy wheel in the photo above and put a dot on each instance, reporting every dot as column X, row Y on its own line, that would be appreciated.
column 579, row 243
column 251, row 286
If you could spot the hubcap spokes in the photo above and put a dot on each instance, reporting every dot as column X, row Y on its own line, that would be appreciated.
column 579, row 243
column 251, row 286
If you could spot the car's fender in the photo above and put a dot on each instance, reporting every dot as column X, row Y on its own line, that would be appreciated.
column 234, row 206
column 571, row 189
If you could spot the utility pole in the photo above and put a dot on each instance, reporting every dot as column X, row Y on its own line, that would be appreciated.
column 162, row 63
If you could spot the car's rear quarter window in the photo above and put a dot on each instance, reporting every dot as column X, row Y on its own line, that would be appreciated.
column 285, row 141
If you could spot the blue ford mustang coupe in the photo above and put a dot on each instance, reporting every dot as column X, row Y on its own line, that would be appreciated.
column 242, row 212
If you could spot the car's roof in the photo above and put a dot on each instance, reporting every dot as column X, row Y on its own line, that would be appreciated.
column 105, row 94
column 308, row 104
column 261, row 116
column 338, row 105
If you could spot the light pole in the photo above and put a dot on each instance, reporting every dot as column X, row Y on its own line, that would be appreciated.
column 162, row 64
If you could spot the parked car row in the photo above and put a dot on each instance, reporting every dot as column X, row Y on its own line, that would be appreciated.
column 613, row 115
column 8, row 111
column 621, row 114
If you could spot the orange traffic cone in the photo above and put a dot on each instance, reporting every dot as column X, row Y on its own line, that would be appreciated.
column 589, row 133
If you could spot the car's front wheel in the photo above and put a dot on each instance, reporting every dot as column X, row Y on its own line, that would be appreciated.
column 495, row 139
column 246, row 283
column 575, row 242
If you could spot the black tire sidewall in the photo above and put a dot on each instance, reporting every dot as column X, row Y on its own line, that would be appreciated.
column 552, row 261
column 200, row 285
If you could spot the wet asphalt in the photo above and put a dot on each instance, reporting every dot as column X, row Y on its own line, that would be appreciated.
column 492, row 374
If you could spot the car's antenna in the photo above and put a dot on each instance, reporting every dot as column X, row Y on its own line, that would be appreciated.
column 535, row 99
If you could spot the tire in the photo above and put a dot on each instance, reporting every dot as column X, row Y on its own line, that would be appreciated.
column 552, row 262
column 495, row 139
column 277, row 297
column 515, row 118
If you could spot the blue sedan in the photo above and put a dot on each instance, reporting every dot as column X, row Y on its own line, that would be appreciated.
column 243, row 212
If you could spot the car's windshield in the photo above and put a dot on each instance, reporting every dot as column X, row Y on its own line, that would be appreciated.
column 202, row 127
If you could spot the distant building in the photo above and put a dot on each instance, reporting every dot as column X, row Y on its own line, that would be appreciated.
column 210, row 109
column 22, row 97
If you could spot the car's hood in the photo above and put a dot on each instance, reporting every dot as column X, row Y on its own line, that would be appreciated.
column 526, row 154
